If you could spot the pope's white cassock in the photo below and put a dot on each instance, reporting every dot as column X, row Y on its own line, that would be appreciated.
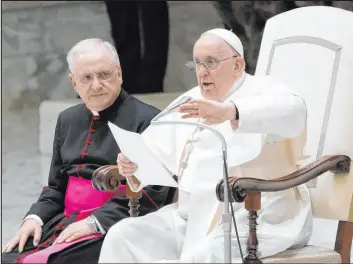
column 267, row 144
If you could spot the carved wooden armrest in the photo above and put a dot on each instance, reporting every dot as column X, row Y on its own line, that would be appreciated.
column 107, row 178
column 240, row 187
column 249, row 190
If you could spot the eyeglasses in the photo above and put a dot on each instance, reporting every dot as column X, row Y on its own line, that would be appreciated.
column 209, row 64
column 101, row 76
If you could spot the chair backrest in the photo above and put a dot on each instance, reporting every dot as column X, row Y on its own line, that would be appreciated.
column 311, row 49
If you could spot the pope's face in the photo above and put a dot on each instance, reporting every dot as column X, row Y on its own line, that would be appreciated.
column 217, row 66
column 96, row 78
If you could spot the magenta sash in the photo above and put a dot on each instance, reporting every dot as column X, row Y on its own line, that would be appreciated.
column 80, row 197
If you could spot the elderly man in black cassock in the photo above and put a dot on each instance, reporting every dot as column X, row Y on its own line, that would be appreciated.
column 70, row 218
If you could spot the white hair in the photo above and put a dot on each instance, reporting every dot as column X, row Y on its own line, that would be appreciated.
column 89, row 45
column 230, row 39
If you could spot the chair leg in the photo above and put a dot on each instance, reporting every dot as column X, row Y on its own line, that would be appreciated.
column 252, row 244
column 343, row 244
column 134, row 203
column 252, row 204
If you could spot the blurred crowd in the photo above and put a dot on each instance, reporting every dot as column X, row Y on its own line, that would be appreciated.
column 140, row 30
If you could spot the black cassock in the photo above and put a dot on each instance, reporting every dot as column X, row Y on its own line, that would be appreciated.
column 83, row 143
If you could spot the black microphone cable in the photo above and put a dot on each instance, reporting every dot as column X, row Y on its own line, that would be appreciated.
column 226, row 185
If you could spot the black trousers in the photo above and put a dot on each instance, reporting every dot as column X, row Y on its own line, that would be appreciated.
column 83, row 252
column 86, row 251
column 140, row 30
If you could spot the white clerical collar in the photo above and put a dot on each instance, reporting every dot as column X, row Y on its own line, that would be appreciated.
column 236, row 85
column 95, row 113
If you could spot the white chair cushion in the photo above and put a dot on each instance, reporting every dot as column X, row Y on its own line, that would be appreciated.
column 307, row 254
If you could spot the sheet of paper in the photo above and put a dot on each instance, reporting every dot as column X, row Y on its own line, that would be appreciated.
column 150, row 170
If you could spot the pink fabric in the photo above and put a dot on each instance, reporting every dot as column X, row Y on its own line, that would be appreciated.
column 80, row 197
column 85, row 213
column 42, row 256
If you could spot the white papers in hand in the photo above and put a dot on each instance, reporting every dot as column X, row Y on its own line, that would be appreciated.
column 150, row 171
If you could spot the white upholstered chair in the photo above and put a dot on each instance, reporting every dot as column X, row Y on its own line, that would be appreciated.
column 311, row 49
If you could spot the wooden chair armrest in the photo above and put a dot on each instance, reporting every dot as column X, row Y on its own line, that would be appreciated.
column 240, row 187
column 107, row 178
column 249, row 190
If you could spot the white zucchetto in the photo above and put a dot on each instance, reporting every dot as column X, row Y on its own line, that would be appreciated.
column 229, row 37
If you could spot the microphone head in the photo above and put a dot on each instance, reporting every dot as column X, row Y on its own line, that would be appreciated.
column 182, row 101
column 187, row 99
column 172, row 108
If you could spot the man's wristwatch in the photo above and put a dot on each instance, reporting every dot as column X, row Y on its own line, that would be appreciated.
column 236, row 111
column 91, row 222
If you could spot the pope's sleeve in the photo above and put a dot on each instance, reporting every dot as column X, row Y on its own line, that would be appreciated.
column 276, row 110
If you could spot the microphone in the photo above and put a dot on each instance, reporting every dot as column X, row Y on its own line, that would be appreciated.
column 221, row 190
column 173, row 107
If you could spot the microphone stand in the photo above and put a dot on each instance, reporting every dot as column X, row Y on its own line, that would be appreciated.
column 226, row 217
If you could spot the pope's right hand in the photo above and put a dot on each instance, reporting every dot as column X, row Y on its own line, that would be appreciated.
column 30, row 227
column 125, row 166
